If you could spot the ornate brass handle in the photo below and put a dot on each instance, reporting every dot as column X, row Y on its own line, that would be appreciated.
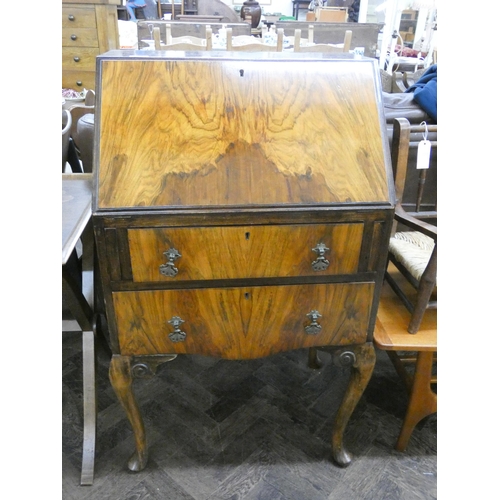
column 314, row 327
column 169, row 268
column 321, row 263
column 177, row 335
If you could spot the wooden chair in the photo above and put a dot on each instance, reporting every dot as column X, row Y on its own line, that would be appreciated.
column 413, row 243
column 409, row 337
column 243, row 43
column 184, row 43
column 321, row 47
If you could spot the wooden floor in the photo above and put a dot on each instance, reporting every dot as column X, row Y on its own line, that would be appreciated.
column 250, row 430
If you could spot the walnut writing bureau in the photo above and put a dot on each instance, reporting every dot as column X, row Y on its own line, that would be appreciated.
column 242, row 208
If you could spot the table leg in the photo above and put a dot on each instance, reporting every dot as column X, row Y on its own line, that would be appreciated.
column 362, row 361
column 82, row 311
column 89, row 408
column 423, row 400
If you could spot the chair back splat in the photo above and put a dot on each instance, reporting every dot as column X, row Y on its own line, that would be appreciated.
column 320, row 47
column 183, row 42
column 244, row 43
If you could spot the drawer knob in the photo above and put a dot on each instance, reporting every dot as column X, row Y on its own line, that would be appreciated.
column 177, row 335
column 321, row 263
column 73, row 37
column 76, row 59
column 79, row 83
column 71, row 17
column 169, row 268
column 314, row 327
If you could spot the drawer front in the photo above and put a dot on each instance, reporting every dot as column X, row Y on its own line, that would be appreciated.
column 78, row 17
column 79, row 37
column 79, row 58
column 242, row 322
column 78, row 80
column 244, row 252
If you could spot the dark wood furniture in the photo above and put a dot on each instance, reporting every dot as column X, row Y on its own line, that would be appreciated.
column 298, row 5
column 363, row 34
column 78, row 296
column 89, row 28
column 239, row 212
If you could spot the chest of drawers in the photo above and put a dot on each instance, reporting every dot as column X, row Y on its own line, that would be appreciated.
column 242, row 208
column 89, row 28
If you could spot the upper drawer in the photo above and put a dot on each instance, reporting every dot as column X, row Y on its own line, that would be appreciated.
column 79, row 37
column 78, row 17
column 231, row 252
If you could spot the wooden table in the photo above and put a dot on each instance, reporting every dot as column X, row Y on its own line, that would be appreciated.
column 246, row 212
column 78, row 297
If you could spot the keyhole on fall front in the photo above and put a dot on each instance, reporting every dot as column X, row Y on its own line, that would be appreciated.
column 242, row 72
column 247, row 236
column 247, row 295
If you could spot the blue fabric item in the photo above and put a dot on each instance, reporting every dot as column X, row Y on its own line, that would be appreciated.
column 425, row 91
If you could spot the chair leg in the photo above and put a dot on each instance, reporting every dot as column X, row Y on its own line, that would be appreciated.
column 425, row 289
column 423, row 401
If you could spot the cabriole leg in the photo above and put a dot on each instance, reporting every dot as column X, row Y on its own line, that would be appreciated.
column 120, row 375
column 362, row 361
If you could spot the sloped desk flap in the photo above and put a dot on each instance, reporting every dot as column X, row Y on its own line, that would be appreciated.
column 221, row 129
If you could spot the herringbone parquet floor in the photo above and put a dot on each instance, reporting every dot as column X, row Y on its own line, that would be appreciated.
column 247, row 430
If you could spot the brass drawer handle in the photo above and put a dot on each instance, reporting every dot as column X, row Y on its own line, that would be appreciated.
column 321, row 263
column 177, row 335
column 169, row 268
column 314, row 327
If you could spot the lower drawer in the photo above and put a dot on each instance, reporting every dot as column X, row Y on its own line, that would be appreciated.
column 78, row 80
column 79, row 58
column 242, row 323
